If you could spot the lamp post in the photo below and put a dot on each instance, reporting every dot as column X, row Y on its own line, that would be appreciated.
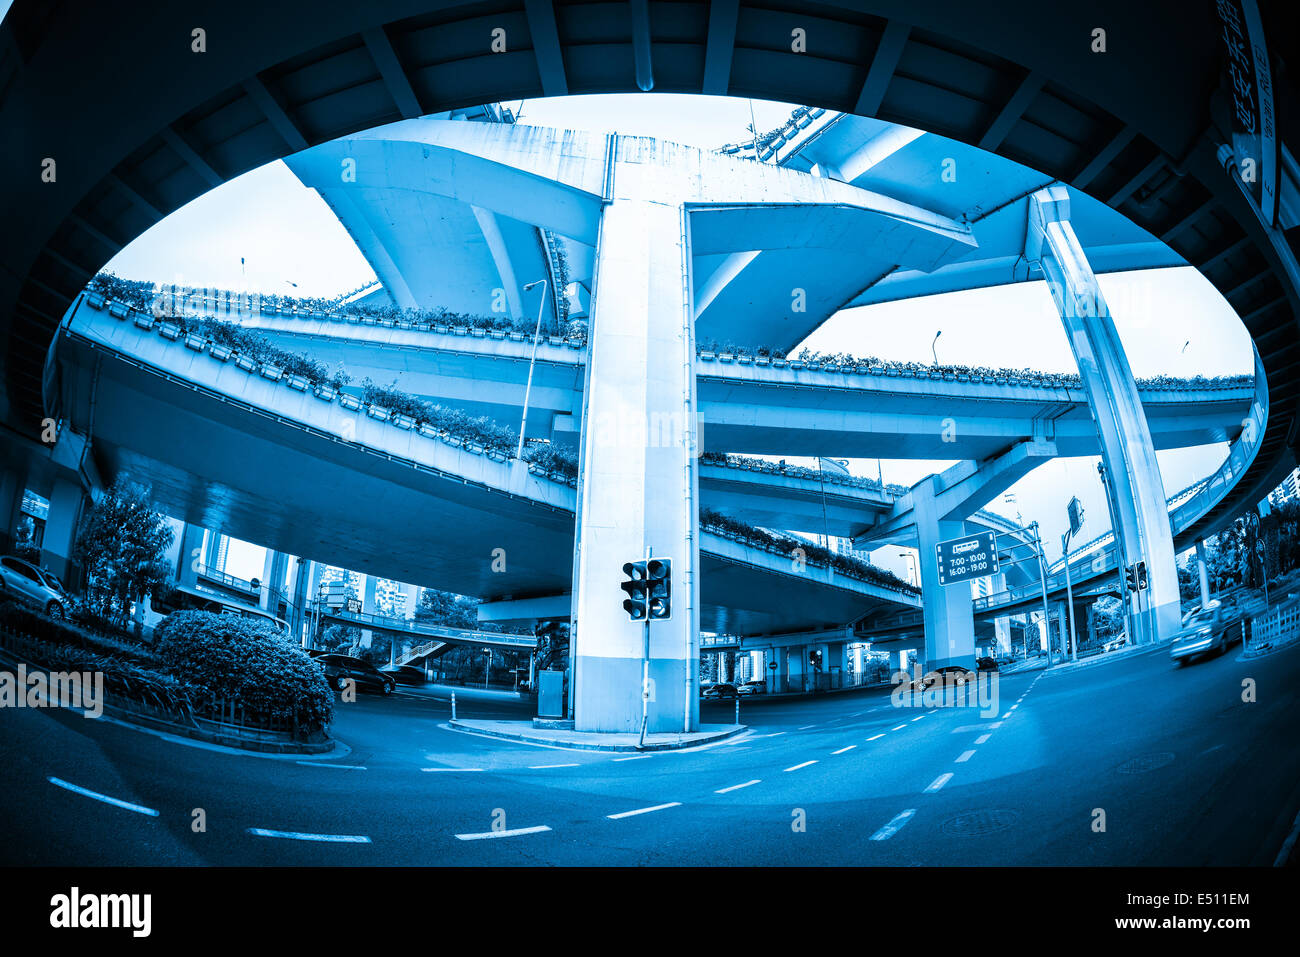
column 932, row 349
column 523, row 423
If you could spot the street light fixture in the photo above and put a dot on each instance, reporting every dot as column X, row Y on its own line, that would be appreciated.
column 932, row 349
column 523, row 423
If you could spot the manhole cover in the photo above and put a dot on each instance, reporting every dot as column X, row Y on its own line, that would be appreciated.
column 979, row 823
column 1146, row 762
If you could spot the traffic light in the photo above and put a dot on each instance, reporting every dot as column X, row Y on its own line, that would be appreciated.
column 649, row 589
column 1130, row 577
column 815, row 657
column 636, row 587
column 1141, row 569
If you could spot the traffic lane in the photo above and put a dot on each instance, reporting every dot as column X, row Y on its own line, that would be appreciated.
column 1182, row 773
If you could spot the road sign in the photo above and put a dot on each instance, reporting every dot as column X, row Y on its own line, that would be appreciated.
column 961, row 559
column 1075, row 510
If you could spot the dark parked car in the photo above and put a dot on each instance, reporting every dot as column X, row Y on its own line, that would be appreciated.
column 1209, row 630
column 339, row 669
column 986, row 664
column 406, row 674
column 723, row 690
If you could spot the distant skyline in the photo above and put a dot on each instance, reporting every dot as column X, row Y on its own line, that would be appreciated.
column 1172, row 321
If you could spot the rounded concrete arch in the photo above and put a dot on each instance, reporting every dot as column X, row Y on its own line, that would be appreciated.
column 116, row 117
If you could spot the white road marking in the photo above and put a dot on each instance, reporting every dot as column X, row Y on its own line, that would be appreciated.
column 341, row 767
column 301, row 836
column 543, row 767
column 898, row 727
column 994, row 724
column 737, row 787
column 806, row 727
column 964, row 757
column 643, row 810
column 894, row 826
column 86, row 792
column 938, row 782
column 450, row 769
column 798, row 766
column 876, row 737
column 918, row 717
column 635, row 757
column 842, row 750
column 982, row 738
column 488, row 835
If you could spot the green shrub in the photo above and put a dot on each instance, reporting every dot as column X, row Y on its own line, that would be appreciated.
column 229, row 657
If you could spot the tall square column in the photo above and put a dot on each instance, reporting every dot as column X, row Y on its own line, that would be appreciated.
column 638, row 478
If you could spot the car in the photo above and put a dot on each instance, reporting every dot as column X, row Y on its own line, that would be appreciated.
column 340, row 669
column 1115, row 644
column 722, row 690
column 1209, row 630
column 986, row 664
column 34, row 586
column 949, row 676
column 758, row 686
column 405, row 674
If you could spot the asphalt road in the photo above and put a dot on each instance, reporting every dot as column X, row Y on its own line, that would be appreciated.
column 1185, row 772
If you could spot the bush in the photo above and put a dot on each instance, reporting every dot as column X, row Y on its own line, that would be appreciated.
column 233, row 658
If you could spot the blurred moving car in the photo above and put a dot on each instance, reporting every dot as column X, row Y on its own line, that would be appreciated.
column 405, row 674
column 1115, row 644
column 757, row 686
column 722, row 690
column 949, row 676
column 1209, row 630
column 986, row 664
column 339, row 669
column 33, row 585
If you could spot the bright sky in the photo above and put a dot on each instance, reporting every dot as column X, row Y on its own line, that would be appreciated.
column 1171, row 321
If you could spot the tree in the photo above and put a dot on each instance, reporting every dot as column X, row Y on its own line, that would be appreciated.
column 122, row 544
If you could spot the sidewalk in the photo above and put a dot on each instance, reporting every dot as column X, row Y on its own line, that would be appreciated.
column 596, row 741
column 1132, row 651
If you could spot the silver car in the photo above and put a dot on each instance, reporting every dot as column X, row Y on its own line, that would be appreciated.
column 36, row 586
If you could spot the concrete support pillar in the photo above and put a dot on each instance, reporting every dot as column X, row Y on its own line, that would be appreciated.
column 1137, row 495
column 946, row 609
column 1202, row 572
column 191, row 554
column 638, row 480
column 368, row 608
column 66, row 502
column 274, row 567
column 897, row 660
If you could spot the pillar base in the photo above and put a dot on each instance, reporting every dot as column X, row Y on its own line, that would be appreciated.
column 608, row 696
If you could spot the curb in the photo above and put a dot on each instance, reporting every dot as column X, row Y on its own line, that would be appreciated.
column 1061, row 669
column 711, row 738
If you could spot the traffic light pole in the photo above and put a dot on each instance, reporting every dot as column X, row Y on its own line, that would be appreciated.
column 1042, row 579
column 645, row 663
column 1069, row 597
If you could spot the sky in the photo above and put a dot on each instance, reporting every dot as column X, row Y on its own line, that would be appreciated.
column 1171, row 321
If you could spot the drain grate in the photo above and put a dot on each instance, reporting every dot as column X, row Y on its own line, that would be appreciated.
column 1146, row 762
column 979, row 823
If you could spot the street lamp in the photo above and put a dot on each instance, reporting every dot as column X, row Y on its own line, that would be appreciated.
column 523, row 423
column 932, row 350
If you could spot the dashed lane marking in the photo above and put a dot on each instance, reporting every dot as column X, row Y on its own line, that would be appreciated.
column 643, row 810
column 635, row 757
column 964, row 757
column 898, row 727
column 938, row 782
column 876, row 737
column 842, row 750
column 894, row 826
column 918, row 717
column 95, row 795
column 341, row 767
column 543, row 767
column 804, row 765
column 737, row 787
column 304, row 836
column 451, row 770
column 982, row 738
column 514, row 832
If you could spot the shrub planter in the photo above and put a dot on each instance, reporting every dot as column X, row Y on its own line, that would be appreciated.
column 169, row 331
column 350, row 402
column 297, row 382
column 247, row 363
column 118, row 311
column 142, row 320
column 428, row 431
column 195, row 341
column 555, row 340
column 707, row 356
column 403, row 421
column 271, row 372
column 378, row 412
column 95, row 301
column 745, row 360
column 324, row 392
column 477, row 332
column 220, row 353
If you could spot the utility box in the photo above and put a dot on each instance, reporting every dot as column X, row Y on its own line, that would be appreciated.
column 550, row 694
